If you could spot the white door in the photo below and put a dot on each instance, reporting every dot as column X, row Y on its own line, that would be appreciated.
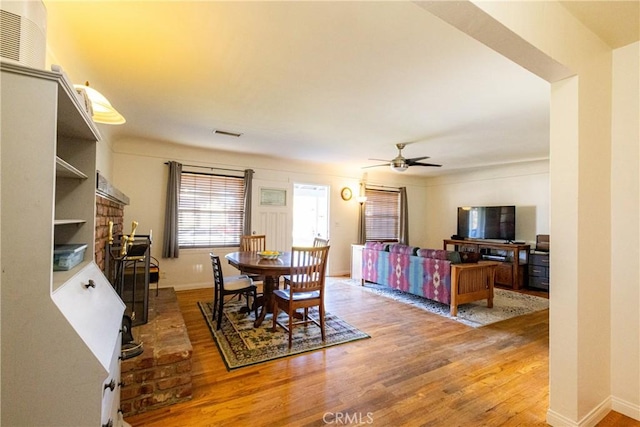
column 310, row 213
column 271, row 207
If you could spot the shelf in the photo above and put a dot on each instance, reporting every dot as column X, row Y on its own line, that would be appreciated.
column 68, row 221
column 66, row 170
column 62, row 276
column 512, row 269
column 73, row 120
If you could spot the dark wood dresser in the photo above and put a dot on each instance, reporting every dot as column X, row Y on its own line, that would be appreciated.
column 539, row 270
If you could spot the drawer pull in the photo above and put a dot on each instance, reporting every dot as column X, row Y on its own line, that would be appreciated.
column 111, row 386
column 91, row 284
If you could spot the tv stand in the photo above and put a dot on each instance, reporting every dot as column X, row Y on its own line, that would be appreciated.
column 513, row 258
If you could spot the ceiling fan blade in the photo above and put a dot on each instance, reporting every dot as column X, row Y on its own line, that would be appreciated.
column 424, row 164
column 375, row 166
column 415, row 159
column 381, row 160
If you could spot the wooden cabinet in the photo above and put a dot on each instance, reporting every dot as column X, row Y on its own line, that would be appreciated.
column 356, row 262
column 539, row 270
column 504, row 273
column 60, row 335
column 513, row 259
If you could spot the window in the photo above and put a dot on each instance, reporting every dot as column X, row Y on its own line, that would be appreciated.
column 211, row 210
column 382, row 212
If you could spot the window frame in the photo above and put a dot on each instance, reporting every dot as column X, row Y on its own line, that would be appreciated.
column 382, row 208
column 214, row 189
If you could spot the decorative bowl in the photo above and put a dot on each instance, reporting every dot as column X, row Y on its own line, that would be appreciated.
column 269, row 254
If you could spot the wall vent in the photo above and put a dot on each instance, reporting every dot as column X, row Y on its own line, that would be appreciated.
column 23, row 32
column 226, row 133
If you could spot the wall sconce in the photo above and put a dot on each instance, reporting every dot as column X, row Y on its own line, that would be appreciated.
column 361, row 197
column 101, row 109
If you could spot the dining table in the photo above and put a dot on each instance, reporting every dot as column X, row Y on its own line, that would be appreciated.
column 271, row 269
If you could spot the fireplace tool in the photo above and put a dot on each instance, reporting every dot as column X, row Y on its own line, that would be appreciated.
column 129, row 348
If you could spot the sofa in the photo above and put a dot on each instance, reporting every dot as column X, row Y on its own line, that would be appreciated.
column 448, row 277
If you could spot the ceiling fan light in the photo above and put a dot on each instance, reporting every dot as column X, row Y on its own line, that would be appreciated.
column 399, row 166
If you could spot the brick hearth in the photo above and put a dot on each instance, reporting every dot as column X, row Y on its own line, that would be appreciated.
column 161, row 375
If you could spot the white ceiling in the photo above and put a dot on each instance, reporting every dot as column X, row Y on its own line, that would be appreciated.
column 337, row 82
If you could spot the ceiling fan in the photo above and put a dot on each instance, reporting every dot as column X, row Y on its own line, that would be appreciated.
column 400, row 163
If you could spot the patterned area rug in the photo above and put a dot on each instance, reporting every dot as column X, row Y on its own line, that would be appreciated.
column 506, row 304
column 241, row 344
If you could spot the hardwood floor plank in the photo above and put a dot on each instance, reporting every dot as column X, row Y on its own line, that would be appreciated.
column 416, row 369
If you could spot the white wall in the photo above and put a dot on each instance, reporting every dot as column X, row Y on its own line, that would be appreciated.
column 139, row 171
column 625, row 232
column 587, row 337
column 525, row 185
column 587, row 160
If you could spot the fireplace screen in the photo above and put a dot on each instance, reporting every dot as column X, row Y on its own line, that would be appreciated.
column 129, row 274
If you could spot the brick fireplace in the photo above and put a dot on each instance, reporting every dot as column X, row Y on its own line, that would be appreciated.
column 107, row 210
column 161, row 375
column 110, row 203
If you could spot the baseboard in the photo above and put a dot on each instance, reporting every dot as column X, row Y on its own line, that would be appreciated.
column 590, row 420
column 188, row 286
column 203, row 285
column 556, row 419
column 629, row 409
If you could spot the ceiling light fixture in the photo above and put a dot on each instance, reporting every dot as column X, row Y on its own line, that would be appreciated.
column 399, row 165
column 102, row 110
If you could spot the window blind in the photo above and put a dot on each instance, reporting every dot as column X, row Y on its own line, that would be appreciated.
column 210, row 211
column 382, row 215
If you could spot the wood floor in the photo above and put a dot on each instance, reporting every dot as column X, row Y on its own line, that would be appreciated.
column 417, row 369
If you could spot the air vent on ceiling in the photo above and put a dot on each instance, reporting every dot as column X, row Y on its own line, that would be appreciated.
column 23, row 31
column 226, row 133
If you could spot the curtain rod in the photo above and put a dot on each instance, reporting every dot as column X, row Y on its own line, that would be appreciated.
column 375, row 186
column 211, row 167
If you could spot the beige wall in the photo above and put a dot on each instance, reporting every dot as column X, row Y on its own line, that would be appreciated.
column 139, row 171
column 625, row 232
column 525, row 185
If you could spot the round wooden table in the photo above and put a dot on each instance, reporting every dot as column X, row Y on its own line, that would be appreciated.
column 271, row 269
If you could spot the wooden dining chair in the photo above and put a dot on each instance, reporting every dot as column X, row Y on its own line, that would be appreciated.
column 253, row 243
column 317, row 242
column 233, row 285
column 306, row 289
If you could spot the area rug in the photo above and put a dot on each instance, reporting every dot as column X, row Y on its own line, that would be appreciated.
column 506, row 304
column 240, row 344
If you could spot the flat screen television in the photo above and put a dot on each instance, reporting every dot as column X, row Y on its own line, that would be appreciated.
column 487, row 222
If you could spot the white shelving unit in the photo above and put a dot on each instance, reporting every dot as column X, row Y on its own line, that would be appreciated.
column 60, row 331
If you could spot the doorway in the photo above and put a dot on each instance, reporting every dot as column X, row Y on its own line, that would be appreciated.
column 310, row 213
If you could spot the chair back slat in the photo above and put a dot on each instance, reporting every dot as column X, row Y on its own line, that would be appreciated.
column 253, row 243
column 308, row 266
column 318, row 241
column 218, row 278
